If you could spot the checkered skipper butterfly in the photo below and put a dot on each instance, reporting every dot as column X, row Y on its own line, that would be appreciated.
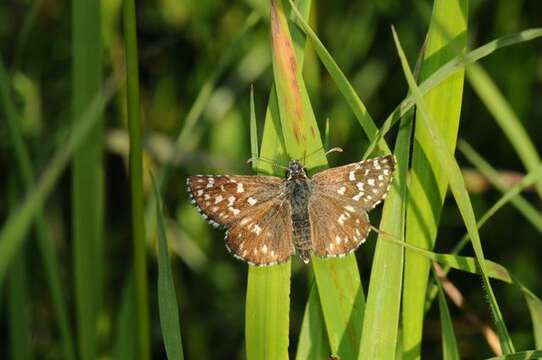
column 267, row 219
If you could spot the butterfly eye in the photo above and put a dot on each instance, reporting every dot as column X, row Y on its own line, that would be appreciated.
column 287, row 173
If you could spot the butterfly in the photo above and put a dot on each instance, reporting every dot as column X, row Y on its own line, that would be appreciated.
column 268, row 219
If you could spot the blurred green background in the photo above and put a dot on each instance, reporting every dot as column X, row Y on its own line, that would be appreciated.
column 198, row 50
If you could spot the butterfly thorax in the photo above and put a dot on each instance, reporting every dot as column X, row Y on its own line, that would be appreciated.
column 298, row 187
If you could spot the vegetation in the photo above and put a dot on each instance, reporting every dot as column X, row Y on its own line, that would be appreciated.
column 120, row 102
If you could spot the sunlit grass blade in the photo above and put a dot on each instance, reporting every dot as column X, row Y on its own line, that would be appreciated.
column 344, row 86
column 313, row 342
column 446, row 38
column 268, row 289
column 505, row 117
column 457, row 185
column 381, row 318
column 527, row 210
column 87, row 176
column 167, row 298
column 24, row 167
column 338, row 281
column 449, row 343
column 136, row 181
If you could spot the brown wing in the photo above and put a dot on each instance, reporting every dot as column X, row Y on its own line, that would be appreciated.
column 264, row 235
column 252, row 209
column 338, row 225
column 365, row 182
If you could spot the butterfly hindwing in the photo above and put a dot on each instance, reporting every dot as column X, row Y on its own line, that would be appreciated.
column 263, row 236
column 338, row 226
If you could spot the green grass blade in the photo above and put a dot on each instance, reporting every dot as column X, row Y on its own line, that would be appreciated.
column 507, row 197
column 125, row 347
column 19, row 303
column 446, row 39
column 268, row 289
column 338, row 281
column 449, row 343
column 522, row 355
column 505, row 117
column 24, row 167
column 457, row 185
column 136, row 181
column 313, row 342
column 381, row 320
column 523, row 206
column 20, row 334
column 456, row 64
column 267, row 312
column 87, row 176
column 344, row 86
column 167, row 298
column 253, row 128
column 494, row 270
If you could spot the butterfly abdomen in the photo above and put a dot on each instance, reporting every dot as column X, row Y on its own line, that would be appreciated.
column 298, row 194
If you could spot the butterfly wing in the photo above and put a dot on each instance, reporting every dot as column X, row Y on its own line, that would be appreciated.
column 365, row 182
column 340, row 200
column 253, row 209
column 338, row 225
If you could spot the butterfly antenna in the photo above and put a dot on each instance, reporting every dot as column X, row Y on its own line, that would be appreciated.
column 332, row 150
column 269, row 161
column 335, row 149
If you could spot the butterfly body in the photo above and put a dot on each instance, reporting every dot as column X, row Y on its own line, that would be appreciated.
column 298, row 189
column 268, row 219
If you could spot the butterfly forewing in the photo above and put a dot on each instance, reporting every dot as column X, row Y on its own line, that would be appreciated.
column 340, row 200
column 252, row 208
column 365, row 182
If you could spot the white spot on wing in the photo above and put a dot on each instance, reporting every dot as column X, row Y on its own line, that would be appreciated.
column 218, row 199
column 256, row 229
column 240, row 188
column 352, row 176
column 252, row 200
column 371, row 182
column 341, row 190
column 358, row 196
column 350, row 208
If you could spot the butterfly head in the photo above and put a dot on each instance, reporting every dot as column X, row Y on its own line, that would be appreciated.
column 295, row 171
